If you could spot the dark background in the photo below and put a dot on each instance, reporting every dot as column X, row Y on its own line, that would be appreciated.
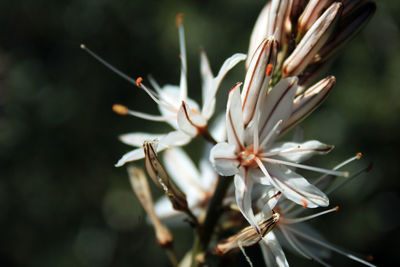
column 63, row 203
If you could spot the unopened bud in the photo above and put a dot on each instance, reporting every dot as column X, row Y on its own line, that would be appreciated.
column 158, row 174
column 310, row 15
column 258, row 76
column 141, row 188
column 248, row 236
column 348, row 27
column 312, row 41
column 308, row 101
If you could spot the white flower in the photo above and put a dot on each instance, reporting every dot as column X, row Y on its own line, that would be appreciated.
column 197, row 184
column 176, row 108
column 254, row 121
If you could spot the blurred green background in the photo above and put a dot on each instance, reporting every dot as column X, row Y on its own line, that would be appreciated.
column 63, row 203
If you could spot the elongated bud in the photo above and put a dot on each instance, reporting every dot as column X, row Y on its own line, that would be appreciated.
column 348, row 27
column 158, row 174
column 258, row 76
column 310, row 14
column 305, row 103
column 141, row 188
column 312, row 41
column 248, row 236
column 277, row 15
column 296, row 9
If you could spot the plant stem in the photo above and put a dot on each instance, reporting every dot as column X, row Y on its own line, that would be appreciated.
column 213, row 213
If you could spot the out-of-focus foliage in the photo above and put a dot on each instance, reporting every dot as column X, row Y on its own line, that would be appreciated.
column 62, row 202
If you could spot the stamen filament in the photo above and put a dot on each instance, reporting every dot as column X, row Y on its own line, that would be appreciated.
column 341, row 184
column 108, row 65
column 265, row 172
column 328, row 246
column 340, row 165
column 149, row 116
column 306, row 218
column 271, row 133
column 306, row 167
column 290, row 238
column 157, row 100
column 183, row 81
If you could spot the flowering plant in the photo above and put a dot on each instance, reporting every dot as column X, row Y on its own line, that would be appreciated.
column 249, row 180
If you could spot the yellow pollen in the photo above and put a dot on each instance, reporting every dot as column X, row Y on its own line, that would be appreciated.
column 359, row 155
column 194, row 111
column 120, row 109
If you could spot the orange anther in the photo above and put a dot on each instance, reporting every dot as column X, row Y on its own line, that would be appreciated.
column 359, row 155
column 120, row 109
column 337, row 208
column 178, row 19
column 269, row 69
column 304, row 203
column 138, row 81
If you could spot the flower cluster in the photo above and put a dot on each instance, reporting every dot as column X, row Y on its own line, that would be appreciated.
column 249, row 171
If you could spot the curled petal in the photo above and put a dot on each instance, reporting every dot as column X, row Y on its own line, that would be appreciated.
column 211, row 84
column 190, row 121
column 133, row 155
column 272, row 251
column 224, row 159
column 298, row 152
column 312, row 41
column 296, row 188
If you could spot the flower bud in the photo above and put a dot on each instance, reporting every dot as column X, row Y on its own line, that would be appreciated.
column 158, row 174
column 310, row 15
column 248, row 236
column 312, row 41
column 141, row 189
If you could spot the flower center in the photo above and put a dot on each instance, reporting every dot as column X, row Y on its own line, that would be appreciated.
column 247, row 158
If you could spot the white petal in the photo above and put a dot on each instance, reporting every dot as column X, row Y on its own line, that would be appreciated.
column 190, row 121
column 218, row 128
column 259, row 32
column 277, row 106
column 133, row 155
column 234, row 118
column 208, row 176
column 174, row 138
column 243, row 188
column 137, row 139
column 207, row 77
column 224, row 159
column 296, row 188
column 182, row 170
column 298, row 152
column 272, row 251
column 268, row 199
column 209, row 93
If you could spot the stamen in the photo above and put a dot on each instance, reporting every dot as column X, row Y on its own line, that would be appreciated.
column 183, row 81
column 269, row 69
column 120, row 109
column 265, row 172
column 271, row 133
column 306, row 167
column 328, row 246
column 290, row 239
column 138, row 81
column 304, row 203
column 306, row 218
column 149, row 116
column 340, row 165
column 341, row 184
column 108, row 65
column 244, row 254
